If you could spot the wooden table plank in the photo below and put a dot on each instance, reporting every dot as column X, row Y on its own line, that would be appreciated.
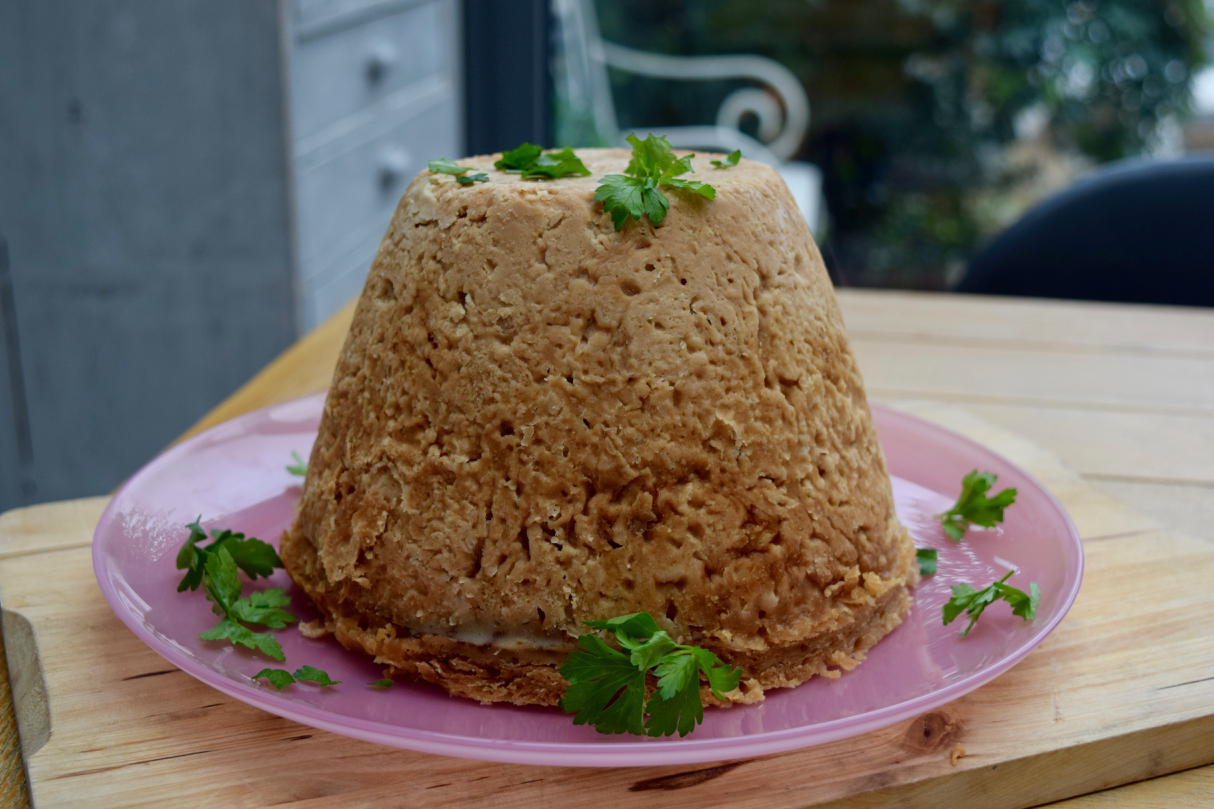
column 1013, row 375
column 1030, row 323
column 1191, row 788
column 1184, row 508
column 1126, row 446
column 26, row 528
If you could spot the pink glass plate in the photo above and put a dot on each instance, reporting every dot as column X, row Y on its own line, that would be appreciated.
column 234, row 476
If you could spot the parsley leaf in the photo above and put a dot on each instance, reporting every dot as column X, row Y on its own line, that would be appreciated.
column 633, row 626
column 281, row 678
column 191, row 559
column 721, row 678
column 648, row 653
column 516, row 160
column 254, row 557
column 676, row 704
column 631, row 198
column 973, row 507
column 300, row 467
column 1023, row 605
column 216, row 567
column 636, row 194
column 638, row 633
column 251, row 555
column 278, row 678
column 530, row 161
column 972, row 602
column 312, row 674
column 926, row 557
column 607, row 687
column 265, row 608
column 445, row 166
column 557, row 164
column 220, row 581
column 384, row 683
column 730, row 161
column 653, row 157
column 695, row 186
column 227, row 629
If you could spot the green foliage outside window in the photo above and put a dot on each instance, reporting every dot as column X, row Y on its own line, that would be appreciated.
column 936, row 122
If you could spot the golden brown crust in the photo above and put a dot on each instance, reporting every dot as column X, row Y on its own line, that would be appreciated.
column 537, row 421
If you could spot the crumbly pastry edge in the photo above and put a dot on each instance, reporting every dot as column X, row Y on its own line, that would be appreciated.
column 530, row 676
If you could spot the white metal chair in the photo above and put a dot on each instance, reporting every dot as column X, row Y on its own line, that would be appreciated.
column 780, row 105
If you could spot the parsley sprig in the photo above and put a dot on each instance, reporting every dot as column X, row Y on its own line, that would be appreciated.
column 636, row 193
column 730, row 161
column 926, row 557
column 530, row 161
column 972, row 602
column 973, row 507
column 300, row 467
column 607, row 687
column 215, row 567
column 254, row 557
column 281, row 678
column 444, row 166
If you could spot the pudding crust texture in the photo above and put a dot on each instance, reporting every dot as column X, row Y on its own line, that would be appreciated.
column 538, row 421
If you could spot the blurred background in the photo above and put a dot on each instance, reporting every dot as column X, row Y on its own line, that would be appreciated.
column 187, row 186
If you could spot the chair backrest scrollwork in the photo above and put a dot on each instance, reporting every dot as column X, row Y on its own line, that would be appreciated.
column 780, row 104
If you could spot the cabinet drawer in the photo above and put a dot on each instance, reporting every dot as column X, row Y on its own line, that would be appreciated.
column 310, row 16
column 341, row 198
column 339, row 74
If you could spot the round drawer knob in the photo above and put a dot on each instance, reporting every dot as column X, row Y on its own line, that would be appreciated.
column 393, row 163
column 380, row 61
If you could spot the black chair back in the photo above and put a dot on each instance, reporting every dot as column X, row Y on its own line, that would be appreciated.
column 1136, row 231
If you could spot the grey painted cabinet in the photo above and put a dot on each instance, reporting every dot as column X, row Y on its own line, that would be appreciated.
column 374, row 95
column 185, row 187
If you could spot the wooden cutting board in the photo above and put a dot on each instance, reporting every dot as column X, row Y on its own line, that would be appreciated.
column 1123, row 690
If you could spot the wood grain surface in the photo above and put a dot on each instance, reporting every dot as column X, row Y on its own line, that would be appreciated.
column 1082, row 380
column 13, row 791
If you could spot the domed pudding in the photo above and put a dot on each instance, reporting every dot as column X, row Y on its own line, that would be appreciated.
column 538, row 420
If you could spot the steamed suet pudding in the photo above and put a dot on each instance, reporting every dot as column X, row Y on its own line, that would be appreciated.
column 538, row 420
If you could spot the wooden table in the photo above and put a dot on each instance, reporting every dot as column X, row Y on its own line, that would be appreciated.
column 1123, row 394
